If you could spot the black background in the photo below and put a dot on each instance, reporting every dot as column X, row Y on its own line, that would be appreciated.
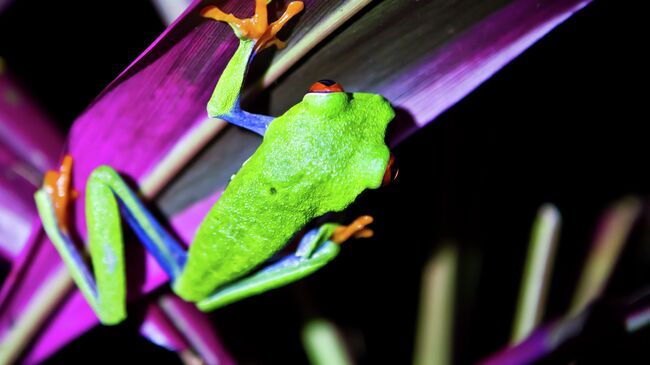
column 563, row 123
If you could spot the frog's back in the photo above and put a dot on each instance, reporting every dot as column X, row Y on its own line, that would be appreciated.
column 305, row 167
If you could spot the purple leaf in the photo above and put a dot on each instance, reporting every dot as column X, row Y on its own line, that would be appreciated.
column 28, row 146
column 24, row 129
column 197, row 329
column 158, row 329
column 463, row 64
column 17, row 211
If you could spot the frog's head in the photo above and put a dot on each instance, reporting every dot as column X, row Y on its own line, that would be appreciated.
column 327, row 97
column 336, row 101
column 334, row 140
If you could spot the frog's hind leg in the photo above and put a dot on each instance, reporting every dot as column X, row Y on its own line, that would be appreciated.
column 106, row 196
column 316, row 249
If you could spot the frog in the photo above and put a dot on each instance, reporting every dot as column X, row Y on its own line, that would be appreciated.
column 316, row 158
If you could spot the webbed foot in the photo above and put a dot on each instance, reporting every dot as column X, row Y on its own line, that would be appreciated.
column 58, row 186
column 256, row 27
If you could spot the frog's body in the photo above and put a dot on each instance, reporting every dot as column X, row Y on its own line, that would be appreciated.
column 316, row 158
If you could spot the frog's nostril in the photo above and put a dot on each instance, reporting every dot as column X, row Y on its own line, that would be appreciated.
column 325, row 86
column 392, row 170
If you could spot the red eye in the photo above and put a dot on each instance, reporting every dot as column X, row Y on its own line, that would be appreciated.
column 391, row 171
column 326, row 86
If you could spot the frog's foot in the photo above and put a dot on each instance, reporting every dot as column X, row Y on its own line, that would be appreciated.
column 356, row 229
column 256, row 28
column 58, row 186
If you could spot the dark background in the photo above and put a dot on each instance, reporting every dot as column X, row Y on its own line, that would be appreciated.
column 563, row 123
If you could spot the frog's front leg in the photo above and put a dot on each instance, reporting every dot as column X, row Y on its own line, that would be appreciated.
column 254, row 35
column 107, row 195
column 317, row 248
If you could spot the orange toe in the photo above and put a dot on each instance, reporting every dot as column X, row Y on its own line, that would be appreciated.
column 356, row 229
column 58, row 185
column 256, row 27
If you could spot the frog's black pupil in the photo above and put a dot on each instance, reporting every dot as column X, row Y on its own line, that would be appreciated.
column 327, row 82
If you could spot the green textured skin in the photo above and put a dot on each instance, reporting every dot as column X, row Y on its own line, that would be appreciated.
column 316, row 158
column 226, row 94
column 275, row 277
column 106, row 247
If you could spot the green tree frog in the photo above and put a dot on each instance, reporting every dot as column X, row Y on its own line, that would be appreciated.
column 316, row 158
